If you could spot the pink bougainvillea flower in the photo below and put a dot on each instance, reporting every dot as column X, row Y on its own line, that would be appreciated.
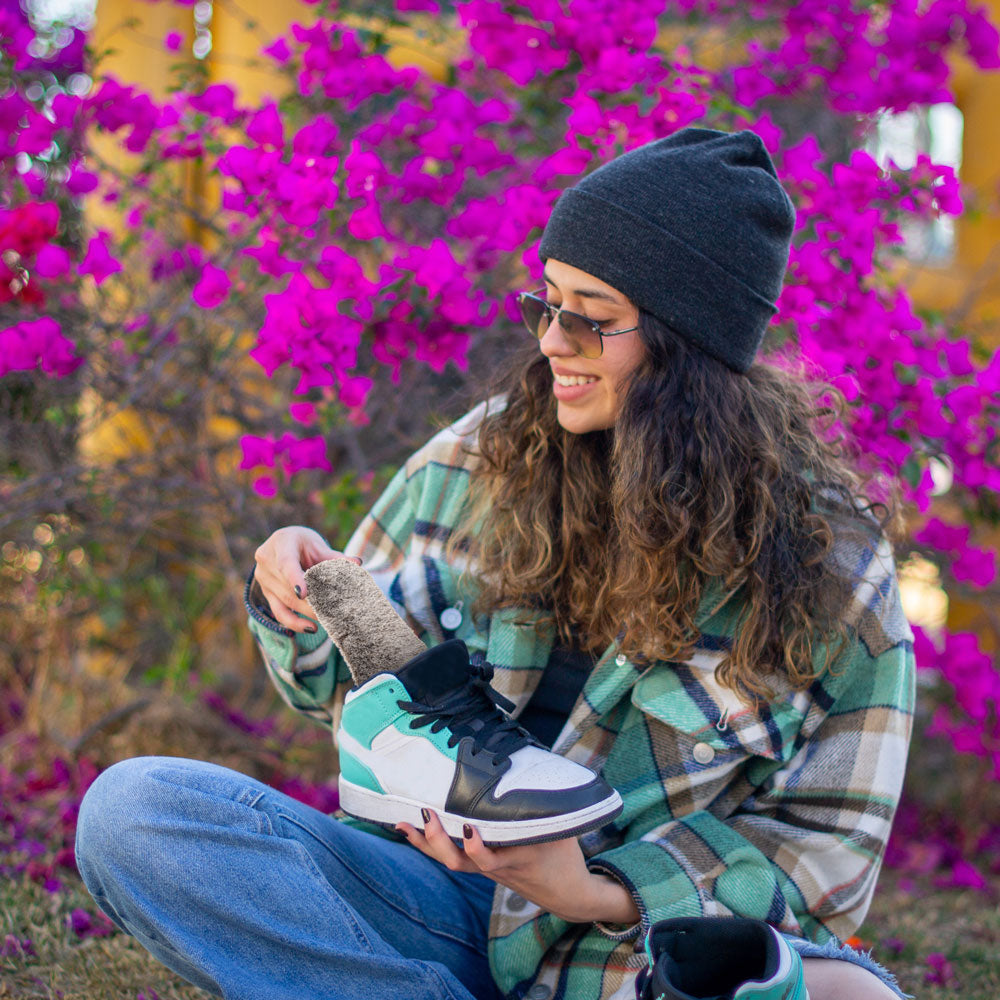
column 895, row 946
column 278, row 50
column 975, row 566
column 941, row 970
column 86, row 924
column 98, row 260
column 963, row 875
column 982, row 39
column 947, row 537
column 15, row 947
column 212, row 288
column 257, row 451
column 302, row 413
column 265, row 127
column 265, row 486
column 354, row 390
column 319, row 138
column 26, row 228
column 304, row 453
column 38, row 345
column 271, row 259
column 52, row 261
column 81, row 181
column 217, row 101
column 115, row 106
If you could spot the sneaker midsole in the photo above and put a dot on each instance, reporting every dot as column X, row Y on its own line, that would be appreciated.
column 391, row 809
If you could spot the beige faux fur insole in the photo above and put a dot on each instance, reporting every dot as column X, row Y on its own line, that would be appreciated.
column 358, row 617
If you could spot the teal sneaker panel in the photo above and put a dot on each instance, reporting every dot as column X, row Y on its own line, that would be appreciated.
column 791, row 986
column 438, row 739
column 354, row 771
column 370, row 713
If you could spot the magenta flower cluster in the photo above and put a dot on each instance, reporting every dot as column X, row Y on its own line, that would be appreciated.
column 378, row 215
column 863, row 57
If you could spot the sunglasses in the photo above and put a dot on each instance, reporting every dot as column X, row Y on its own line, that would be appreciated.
column 584, row 335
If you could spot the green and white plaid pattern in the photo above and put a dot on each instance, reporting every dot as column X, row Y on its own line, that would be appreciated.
column 780, row 813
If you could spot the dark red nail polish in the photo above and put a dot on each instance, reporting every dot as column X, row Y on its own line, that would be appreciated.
column 426, row 814
column 467, row 831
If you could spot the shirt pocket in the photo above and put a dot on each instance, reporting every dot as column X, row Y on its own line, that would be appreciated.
column 710, row 723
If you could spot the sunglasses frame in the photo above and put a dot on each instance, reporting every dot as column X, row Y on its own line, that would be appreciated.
column 553, row 313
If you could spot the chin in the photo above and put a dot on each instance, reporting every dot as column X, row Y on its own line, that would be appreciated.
column 580, row 421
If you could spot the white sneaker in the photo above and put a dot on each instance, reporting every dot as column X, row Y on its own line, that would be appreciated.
column 435, row 735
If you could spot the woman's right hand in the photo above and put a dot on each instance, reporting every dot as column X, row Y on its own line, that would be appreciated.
column 282, row 562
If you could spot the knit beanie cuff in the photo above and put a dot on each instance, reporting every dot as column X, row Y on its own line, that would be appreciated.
column 661, row 274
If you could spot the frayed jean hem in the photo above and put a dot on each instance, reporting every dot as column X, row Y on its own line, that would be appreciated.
column 845, row 953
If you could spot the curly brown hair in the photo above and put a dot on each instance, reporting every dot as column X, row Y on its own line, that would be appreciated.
column 707, row 474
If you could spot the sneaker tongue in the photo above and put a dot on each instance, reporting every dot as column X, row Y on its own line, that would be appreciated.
column 436, row 672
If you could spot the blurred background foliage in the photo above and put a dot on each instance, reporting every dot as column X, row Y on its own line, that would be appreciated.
column 128, row 527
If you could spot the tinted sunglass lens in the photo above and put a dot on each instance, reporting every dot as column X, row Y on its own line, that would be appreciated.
column 580, row 335
column 535, row 314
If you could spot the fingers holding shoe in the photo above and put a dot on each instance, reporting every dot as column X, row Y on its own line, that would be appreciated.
column 281, row 562
column 434, row 841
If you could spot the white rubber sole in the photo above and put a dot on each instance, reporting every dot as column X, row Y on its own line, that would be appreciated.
column 388, row 810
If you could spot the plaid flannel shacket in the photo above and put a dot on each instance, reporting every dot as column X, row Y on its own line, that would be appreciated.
column 779, row 812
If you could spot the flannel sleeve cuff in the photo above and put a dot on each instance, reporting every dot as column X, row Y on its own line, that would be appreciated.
column 258, row 609
column 303, row 666
column 654, row 879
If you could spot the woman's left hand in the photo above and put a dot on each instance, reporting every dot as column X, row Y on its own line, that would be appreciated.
column 553, row 875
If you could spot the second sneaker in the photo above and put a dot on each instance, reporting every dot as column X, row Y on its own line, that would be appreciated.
column 435, row 735
column 719, row 958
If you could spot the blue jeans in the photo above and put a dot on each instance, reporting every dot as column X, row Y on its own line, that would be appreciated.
column 247, row 893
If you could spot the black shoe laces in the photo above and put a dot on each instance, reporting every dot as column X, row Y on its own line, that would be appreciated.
column 478, row 710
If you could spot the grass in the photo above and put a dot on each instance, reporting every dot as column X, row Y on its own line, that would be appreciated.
column 67, row 967
column 906, row 923
column 909, row 920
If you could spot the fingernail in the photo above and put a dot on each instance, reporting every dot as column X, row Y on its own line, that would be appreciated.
column 298, row 590
column 311, row 628
column 467, row 831
column 426, row 814
column 356, row 559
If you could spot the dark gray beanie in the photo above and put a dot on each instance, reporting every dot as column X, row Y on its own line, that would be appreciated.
column 694, row 228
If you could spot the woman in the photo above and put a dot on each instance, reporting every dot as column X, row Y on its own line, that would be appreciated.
column 678, row 584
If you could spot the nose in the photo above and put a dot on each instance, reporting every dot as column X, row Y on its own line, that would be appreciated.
column 553, row 343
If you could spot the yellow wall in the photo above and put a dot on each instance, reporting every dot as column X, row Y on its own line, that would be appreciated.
column 971, row 282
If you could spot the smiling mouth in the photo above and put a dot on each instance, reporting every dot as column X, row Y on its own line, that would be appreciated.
column 574, row 379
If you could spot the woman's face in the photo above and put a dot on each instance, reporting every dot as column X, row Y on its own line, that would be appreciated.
column 590, row 405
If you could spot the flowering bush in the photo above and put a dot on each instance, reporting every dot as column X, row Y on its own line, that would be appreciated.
column 370, row 226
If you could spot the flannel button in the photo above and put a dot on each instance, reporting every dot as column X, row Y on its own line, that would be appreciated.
column 703, row 753
column 621, row 659
column 450, row 619
column 516, row 903
column 538, row 992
